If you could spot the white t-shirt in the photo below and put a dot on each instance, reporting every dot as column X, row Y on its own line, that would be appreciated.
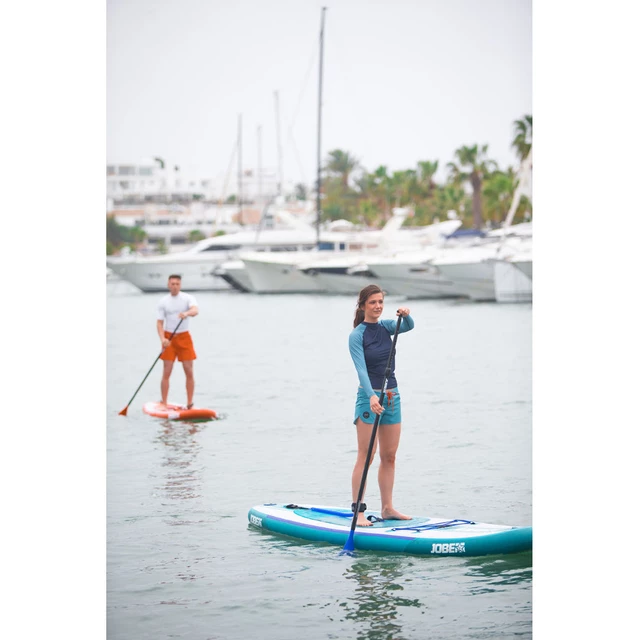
column 169, row 308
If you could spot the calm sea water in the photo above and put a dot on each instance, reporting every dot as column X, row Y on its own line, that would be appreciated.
column 181, row 559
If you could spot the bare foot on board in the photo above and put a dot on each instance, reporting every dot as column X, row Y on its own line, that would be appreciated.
column 362, row 521
column 392, row 514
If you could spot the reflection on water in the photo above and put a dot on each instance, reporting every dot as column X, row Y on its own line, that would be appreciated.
column 377, row 597
column 182, row 480
column 494, row 573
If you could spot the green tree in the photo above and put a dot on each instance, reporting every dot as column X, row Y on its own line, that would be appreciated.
column 118, row 235
column 497, row 195
column 473, row 165
column 195, row 235
column 377, row 187
column 452, row 197
column 522, row 136
column 426, row 170
column 341, row 164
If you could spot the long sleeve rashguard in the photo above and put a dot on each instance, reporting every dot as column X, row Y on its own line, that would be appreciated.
column 369, row 346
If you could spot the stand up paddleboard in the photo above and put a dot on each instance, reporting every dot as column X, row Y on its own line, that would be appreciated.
column 178, row 412
column 420, row 535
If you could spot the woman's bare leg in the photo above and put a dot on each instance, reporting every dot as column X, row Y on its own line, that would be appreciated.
column 389, row 439
column 364, row 431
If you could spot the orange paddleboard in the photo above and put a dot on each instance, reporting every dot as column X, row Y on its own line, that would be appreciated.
column 178, row 412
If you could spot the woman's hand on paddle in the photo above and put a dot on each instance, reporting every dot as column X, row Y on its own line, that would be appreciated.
column 165, row 342
column 376, row 407
column 403, row 311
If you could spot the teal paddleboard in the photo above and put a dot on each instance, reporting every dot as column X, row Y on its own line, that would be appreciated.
column 430, row 536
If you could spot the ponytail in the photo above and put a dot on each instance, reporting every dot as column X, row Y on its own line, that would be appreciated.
column 363, row 296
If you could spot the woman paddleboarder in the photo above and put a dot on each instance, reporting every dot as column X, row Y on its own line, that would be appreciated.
column 370, row 345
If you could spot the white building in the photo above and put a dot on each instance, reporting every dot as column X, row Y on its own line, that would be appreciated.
column 154, row 181
column 169, row 205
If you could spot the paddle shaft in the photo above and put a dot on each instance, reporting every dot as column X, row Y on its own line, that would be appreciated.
column 124, row 411
column 363, row 482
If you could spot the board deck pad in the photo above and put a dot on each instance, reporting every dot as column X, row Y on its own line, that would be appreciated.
column 178, row 412
column 422, row 535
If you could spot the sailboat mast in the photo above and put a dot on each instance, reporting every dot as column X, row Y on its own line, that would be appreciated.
column 259, row 196
column 280, row 176
column 319, row 180
column 240, row 216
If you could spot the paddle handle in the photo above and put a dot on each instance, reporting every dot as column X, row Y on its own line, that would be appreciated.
column 124, row 411
column 387, row 374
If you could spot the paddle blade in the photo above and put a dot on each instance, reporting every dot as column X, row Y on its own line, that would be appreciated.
column 123, row 412
column 348, row 549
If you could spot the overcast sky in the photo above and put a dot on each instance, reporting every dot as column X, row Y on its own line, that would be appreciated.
column 404, row 81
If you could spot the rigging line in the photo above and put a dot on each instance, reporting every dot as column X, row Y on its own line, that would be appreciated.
column 300, row 167
column 290, row 140
column 226, row 182
column 314, row 55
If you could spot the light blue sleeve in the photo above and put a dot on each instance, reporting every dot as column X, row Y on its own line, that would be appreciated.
column 357, row 355
column 406, row 325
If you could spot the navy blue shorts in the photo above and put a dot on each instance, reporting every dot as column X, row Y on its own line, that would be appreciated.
column 392, row 413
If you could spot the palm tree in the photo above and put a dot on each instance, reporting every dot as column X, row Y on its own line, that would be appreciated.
column 342, row 164
column 404, row 185
column 523, row 135
column 497, row 194
column 374, row 195
column 450, row 197
column 473, row 166
column 426, row 171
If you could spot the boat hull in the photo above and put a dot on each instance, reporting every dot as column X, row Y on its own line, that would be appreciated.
column 152, row 275
column 279, row 277
column 513, row 281
column 414, row 280
column 474, row 280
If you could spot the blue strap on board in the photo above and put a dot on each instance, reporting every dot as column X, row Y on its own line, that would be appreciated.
column 434, row 525
column 331, row 512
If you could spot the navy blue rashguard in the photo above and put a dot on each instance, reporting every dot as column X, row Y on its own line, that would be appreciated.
column 369, row 345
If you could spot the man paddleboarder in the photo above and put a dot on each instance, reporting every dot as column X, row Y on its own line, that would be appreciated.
column 174, row 311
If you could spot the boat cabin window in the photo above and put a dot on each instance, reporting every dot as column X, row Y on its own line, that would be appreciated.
column 222, row 247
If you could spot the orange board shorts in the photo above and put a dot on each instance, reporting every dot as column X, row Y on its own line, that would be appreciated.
column 181, row 347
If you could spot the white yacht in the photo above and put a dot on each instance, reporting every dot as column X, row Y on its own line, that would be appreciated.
column 472, row 269
column 284, row 273
column 198, row 264
column 513, row 276
column 411, row 274
column 235, row 274
column 499, row 270
column 348, row 274
column 337, row 249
